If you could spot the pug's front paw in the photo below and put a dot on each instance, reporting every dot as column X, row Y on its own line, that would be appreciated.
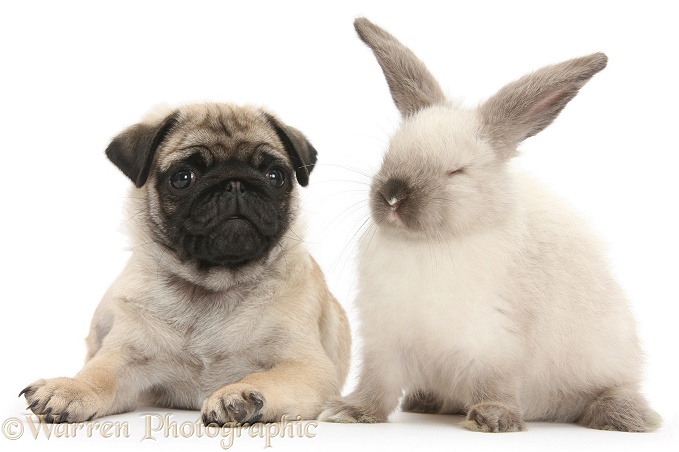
column 234, row 404
column 63, row 400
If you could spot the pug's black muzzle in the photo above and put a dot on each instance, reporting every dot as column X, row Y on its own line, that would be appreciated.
column 230, row 222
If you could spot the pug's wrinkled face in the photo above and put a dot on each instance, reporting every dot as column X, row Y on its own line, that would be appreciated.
column 220, row 180
column 222, row 210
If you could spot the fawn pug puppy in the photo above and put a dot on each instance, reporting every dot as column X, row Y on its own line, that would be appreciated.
column 220, row 307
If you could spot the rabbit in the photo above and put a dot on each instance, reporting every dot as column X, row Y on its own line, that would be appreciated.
column 480, row 293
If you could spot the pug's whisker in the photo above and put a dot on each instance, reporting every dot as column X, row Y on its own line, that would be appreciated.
column 295, row 234
column 143, row 244
column 133, row 216
column 295, row 239
column 310, row 212
column 291, row 247
column 178, row 227
column 283, row 253
column 310, row 165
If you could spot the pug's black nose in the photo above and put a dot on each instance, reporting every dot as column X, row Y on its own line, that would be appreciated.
column 235, row 186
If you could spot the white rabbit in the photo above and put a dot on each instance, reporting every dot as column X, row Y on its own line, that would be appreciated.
column 479, row 292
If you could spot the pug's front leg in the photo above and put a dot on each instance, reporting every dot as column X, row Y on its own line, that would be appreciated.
column 290, row 389
column 94, row 392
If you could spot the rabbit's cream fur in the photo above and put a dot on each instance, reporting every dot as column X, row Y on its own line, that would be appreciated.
column 480, row 293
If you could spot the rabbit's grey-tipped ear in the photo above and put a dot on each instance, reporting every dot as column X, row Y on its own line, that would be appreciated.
column 411, row 84
column 525, row 107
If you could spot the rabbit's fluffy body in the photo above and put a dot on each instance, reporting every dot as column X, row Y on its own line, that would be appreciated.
column 525, row 297
column 479, row 292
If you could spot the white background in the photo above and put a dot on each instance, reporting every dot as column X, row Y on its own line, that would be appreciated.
column 73, row 75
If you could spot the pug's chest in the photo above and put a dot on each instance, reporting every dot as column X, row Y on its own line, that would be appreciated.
column 209, row 368
column 207, row 351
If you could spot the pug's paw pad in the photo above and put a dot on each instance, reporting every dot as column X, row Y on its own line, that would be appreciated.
column 233, row 404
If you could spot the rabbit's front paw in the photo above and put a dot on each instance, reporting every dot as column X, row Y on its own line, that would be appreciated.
column 346, row 412
column 493, row 417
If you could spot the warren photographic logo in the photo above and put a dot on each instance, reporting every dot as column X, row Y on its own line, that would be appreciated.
column 155, row 426
column 32, row 426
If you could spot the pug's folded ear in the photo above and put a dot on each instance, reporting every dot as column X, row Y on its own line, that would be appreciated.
column 133, row 149
column 301, row 152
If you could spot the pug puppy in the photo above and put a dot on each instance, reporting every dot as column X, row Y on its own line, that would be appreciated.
column 220, row 307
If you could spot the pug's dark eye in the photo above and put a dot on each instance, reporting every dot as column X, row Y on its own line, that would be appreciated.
column 276, row 177
column 183, row 179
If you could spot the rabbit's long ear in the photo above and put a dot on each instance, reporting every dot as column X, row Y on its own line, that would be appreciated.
column 528, row 105
column 411, row 84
